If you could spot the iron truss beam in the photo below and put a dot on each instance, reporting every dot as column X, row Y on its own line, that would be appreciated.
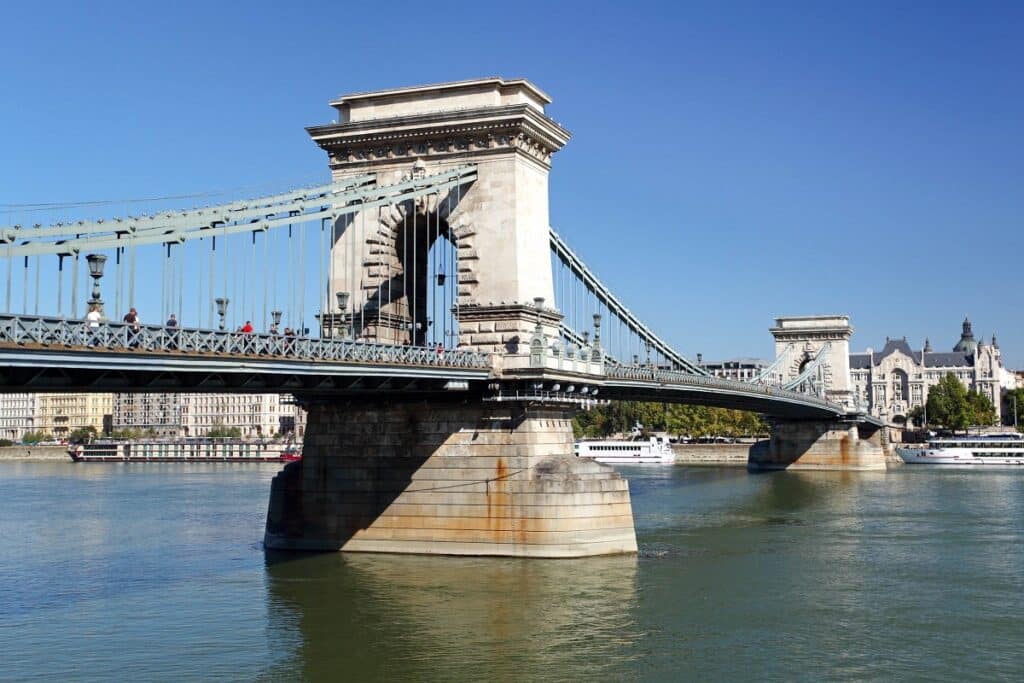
column 57, row 354
column 44, row 370
column 155, row 342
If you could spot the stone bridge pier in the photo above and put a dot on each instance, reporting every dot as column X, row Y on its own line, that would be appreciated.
column 447, row 477
column 821, row 445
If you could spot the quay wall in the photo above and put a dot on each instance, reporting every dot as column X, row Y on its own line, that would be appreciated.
column 34, row 453
column 712, row 454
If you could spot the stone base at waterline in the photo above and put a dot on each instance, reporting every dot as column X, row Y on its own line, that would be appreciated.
column 451, row 479
column 820, row 445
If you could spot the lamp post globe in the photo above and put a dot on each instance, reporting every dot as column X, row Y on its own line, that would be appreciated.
column 343, row 299
column 222, row 309
column 96, row 262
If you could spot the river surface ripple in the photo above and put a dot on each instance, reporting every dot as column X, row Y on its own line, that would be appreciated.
column 155, row 572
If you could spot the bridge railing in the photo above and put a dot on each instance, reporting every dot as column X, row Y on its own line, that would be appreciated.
column 648, row 374
column 25, row 331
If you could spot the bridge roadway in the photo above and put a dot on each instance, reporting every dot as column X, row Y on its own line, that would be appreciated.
column 672, row 386
column 54, row 354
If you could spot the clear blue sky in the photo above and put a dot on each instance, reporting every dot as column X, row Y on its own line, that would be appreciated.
column 730, row 162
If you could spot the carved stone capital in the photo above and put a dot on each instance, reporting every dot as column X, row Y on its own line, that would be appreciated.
column 442, row 135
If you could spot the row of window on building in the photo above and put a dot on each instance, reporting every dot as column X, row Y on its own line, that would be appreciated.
column 254, row 415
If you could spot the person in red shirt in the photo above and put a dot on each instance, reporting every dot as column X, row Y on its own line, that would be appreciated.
column 247, row 329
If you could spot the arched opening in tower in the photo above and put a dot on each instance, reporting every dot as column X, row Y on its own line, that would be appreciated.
column 424, row 291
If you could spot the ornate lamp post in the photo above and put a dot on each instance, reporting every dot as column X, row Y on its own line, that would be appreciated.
column 538, row 302
column 596, row 355
column 343, row 298
column 222, row 309
column 96, row 262
column 538, row 347
column 276, row 317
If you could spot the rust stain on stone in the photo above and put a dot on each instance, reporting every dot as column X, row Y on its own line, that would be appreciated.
column 844, row 449
column 498, row 502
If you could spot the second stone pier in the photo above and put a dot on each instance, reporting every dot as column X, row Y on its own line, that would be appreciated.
column 820, row 445
column 452, row 478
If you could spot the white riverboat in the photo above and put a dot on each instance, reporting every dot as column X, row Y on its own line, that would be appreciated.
column 652, row 451
column 1006, row 450
column 184, row 450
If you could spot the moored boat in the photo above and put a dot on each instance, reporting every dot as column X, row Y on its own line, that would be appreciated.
column 184, row 450
column 1005, row 450
column 652, row 451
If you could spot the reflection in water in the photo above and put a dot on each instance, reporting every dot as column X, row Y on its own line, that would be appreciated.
column 449, row 618
column 787, row 496
column 138, row 573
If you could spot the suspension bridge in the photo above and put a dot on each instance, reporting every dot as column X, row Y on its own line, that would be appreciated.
column 440, row 332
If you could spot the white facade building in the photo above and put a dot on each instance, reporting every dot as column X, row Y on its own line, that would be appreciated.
column 254, row 415
column 148, row 413
column 741, row 369
column 17, row 415
column 892, row 382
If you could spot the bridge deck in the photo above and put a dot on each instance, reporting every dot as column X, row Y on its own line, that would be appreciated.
column 57, row 354
column 54, row 354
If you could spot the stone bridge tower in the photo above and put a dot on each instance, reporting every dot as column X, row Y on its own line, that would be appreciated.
column 448, row 472
column 802, row 338
column 498, row 224
column 819, row 444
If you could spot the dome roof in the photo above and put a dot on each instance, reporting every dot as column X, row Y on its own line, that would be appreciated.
column 967, row 344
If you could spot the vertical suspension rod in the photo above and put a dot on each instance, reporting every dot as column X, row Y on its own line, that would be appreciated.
column 60, row 284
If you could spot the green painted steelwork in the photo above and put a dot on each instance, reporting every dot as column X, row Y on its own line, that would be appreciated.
column 612, row 303
column 345, row 202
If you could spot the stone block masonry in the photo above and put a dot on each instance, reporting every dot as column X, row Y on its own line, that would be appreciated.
column 35, row 453
column 820, row 445
column 447, row 477
column 712, row 455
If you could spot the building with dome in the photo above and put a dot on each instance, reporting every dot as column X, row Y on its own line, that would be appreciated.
column 893, row 381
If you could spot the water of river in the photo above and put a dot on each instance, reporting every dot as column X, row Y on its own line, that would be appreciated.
column 155, row 572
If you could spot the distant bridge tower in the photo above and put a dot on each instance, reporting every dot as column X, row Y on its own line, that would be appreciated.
column 498, row 224
column 818, row 343
column 802, row 339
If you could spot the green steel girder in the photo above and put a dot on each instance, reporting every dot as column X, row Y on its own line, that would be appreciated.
column 343, row 203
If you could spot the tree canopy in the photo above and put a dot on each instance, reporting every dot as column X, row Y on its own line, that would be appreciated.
column 35, row 437
column 982, row 410
column 82, row 434
column 1017, row 394
column 224, row 433
column 692, row 421
column 953, row 407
